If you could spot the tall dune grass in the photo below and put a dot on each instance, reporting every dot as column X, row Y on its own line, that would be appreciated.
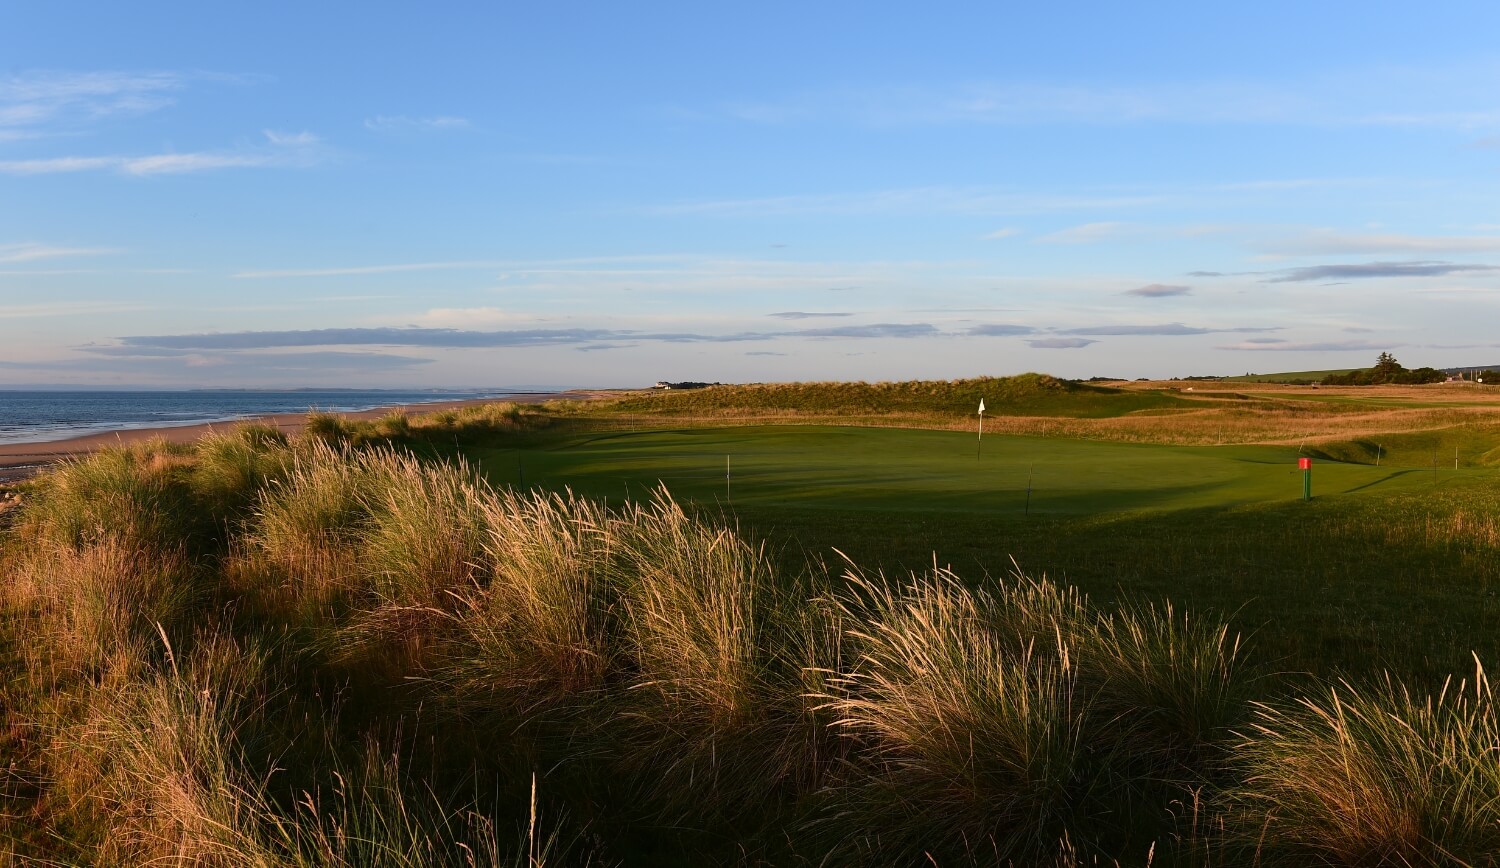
column 86, row 609
column 1001, row 723
column 136, row 495
column 713, row 712
column 152, row 767
column 231, row 468
column 1373, row 775
column 384, row 653
column 540, row 635
column 972, row 740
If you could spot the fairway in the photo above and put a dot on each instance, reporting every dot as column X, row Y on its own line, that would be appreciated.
column 900, row 470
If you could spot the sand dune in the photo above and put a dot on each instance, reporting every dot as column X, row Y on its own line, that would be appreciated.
column 19, row 460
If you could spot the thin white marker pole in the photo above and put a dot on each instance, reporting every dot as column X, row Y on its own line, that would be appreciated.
column 1378, row 450
column 726, row 477
column 980, row 447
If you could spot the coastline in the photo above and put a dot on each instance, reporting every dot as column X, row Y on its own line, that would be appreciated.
column 21, row 460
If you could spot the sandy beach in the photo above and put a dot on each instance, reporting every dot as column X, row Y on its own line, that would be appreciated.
column 20, row 460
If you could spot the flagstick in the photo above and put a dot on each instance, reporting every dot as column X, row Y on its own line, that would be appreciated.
column 980, row 446
column 1029, row 474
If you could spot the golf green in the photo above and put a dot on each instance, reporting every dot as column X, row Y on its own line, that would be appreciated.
column 889, row 469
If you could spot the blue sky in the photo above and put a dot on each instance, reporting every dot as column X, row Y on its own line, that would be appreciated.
column 275, row 194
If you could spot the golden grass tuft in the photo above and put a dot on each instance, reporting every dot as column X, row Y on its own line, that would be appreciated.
column 1373, row 775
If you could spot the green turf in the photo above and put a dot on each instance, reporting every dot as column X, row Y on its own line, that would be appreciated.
column 1356, row 580
column 901, row 470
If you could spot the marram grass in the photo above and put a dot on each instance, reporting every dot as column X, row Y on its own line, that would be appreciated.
column 329, row 652
column 1373, row 775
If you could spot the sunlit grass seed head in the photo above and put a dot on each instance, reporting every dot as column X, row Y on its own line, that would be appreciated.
column 972, row 738
column 1373, row 775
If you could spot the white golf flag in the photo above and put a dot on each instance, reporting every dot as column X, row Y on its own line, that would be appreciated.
column 981, row 405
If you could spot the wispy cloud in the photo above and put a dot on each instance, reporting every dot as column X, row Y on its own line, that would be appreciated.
column 404, row 123
column 805, row 314
column 1088, row 233
column 1000, row 330
column 1166, row 329
column 473, row 339
column 1007, row 232
column 874, row 330
column 156, row 164
column 30, row 252
column 466, row 317
column 69, row 309
column 554, row 282
column 1031, row 103
column 1160, row 290
column 393, row 268
column 243, row 364
column 1366, row 270
column 1326, row 242
column 1314, row 347
column 39, row 103
column 302, row 139
column 1060, row 343
column 285, row 151
column 1006, row 202
column 1454, row 97
column 976, row 201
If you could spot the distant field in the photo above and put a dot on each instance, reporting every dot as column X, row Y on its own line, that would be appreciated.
column 1286, row 377
column 1025, row 394
column 1177, row 412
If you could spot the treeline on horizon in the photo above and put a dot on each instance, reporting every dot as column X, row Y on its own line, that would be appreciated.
column 262, row 651
column 1386, row 371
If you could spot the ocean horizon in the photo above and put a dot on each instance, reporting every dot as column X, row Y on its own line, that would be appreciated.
column 50, row 415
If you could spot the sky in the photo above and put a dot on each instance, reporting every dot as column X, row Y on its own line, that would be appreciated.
column 489, row 195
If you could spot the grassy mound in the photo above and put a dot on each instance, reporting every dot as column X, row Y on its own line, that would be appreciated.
column 1473, row 445
column 1295, row 377
column 1022, row 395
column 317, row 654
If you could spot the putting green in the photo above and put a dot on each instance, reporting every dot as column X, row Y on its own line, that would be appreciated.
column 892, row 469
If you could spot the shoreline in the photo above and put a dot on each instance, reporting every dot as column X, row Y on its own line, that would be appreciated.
column 19, row 461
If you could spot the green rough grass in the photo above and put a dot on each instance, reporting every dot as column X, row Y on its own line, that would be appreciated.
column 1469, row 445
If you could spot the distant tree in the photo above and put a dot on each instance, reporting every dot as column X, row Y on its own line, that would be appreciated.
column 1418, row 376
column 1386, row 370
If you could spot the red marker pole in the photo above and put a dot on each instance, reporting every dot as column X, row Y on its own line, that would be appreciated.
column 1305, row 465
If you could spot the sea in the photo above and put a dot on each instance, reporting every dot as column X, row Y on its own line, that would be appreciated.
column 46, row 416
